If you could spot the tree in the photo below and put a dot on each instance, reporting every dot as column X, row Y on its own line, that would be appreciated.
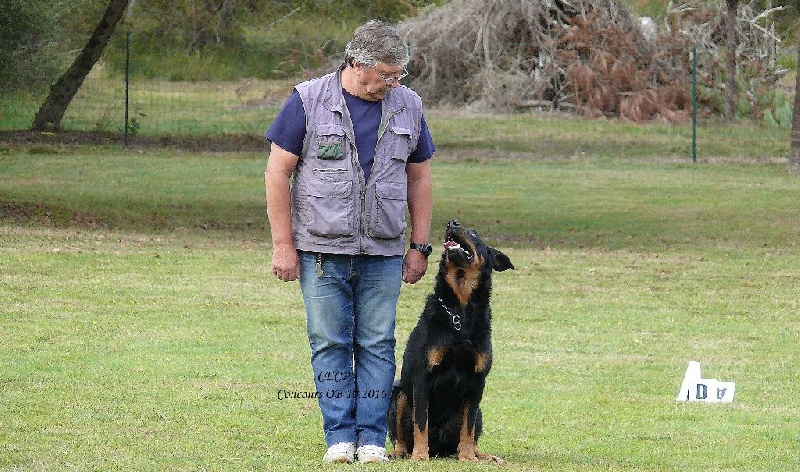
column 730, row 59
column 61, row 93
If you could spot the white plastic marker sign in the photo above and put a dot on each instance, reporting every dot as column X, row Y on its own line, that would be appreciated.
column 697, row 389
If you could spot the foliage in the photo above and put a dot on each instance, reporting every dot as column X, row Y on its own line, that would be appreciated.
column 593, row 57
column 28, row 50
column 213, row 40
column 777, row 110
column 189, row 40
column 788, row 19
column 387, row 10
column 760, row 63
column 193, row 24
column 613, row 71
column 655, row 9
column 42, row 40
column 197, row 40
column 193, row 40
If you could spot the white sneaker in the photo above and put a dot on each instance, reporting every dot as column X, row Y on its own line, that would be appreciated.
column 341, row 452
column 368, row 453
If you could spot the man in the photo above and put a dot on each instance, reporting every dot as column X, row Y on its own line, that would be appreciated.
column 349, row 151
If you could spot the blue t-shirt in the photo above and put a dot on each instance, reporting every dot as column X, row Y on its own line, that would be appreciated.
column 289, row 130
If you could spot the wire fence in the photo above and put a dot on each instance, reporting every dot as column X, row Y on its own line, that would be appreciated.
column 158, row 107
column 170, row 94
column 138, row 103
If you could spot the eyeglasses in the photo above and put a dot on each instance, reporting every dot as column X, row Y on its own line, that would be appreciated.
column 391, row 78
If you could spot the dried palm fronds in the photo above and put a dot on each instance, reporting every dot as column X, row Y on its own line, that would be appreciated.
column 586, row 56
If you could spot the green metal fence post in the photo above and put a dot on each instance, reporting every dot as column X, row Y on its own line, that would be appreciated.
column 694, row 104
column 127, row 82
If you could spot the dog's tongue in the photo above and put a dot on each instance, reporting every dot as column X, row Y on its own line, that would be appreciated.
column 450, row 244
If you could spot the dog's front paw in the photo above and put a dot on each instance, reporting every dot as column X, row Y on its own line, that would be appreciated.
column 419, row 456
column 467, row 457
column 398, row 453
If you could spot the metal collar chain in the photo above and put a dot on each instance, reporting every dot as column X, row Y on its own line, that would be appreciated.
column 455, row 318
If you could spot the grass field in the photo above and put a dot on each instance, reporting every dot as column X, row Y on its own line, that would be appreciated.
column 141, row 329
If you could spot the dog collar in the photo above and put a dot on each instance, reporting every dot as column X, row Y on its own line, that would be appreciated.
column 456, row 319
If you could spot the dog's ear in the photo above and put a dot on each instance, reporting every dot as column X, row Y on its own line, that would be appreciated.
column 500, row 261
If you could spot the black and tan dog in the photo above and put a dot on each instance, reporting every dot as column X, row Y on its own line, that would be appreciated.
column 435, row 405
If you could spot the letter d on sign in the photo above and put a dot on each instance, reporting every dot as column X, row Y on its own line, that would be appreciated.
column 702, row 392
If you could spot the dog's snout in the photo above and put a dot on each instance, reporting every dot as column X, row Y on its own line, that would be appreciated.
column 453, row 224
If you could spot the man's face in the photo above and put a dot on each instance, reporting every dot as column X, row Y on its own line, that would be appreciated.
column 378, row 80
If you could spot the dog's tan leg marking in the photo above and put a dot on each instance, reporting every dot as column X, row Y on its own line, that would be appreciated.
column 420, row 452
column 435, row 356
column 466, row 440
column 481, row 361
column 400, row 446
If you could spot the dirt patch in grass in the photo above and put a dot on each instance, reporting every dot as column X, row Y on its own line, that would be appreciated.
column 15, row 212
column 226, row 143
column 53, row 216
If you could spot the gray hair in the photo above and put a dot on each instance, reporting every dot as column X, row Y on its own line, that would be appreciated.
column 374, row 42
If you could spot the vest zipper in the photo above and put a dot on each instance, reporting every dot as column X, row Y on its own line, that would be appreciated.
column 362, row 193
column 385, row 124
column 361, row 219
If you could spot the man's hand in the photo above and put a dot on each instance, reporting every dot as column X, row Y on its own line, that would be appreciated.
column 414, row 266
column 285, row 262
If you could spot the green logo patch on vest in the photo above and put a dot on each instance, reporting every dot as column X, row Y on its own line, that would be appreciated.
column 330, row 151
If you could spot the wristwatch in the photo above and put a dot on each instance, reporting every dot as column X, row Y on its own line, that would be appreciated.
column 425, row 249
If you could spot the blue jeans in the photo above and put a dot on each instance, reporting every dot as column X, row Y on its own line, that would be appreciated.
column 350, row 313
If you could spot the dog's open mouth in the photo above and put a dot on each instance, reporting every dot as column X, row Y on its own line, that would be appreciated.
column 451, row 245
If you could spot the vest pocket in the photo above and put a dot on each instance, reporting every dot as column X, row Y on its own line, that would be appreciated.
column 401, row 142
column 330, row 208
column 330, row 142
column 388, row 219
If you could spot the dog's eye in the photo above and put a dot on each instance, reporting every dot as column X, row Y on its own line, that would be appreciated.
column 472, row 233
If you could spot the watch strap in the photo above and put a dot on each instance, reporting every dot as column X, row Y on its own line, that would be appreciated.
column 425, row 249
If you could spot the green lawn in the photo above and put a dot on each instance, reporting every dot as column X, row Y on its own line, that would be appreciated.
column 141, row 328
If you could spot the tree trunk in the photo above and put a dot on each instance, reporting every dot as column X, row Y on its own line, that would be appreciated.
column 61, row 93
column 794, row 152
column 730, row 60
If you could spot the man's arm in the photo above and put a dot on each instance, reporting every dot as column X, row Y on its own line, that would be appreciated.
column 420, row 208
column 280, row 166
